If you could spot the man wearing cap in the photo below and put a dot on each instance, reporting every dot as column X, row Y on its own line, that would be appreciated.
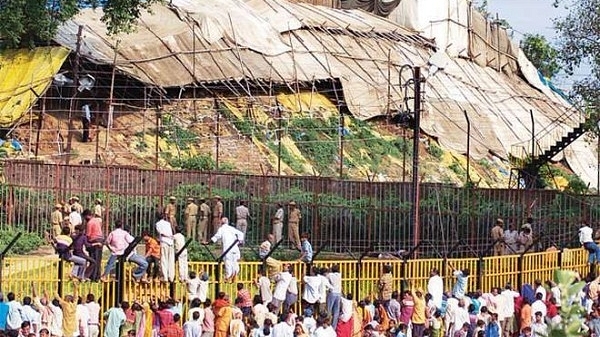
column 171, row 212
column 99, row 209
column 75, row 203
column 56, row 220
column 203, row 221
column 241, row 217
column 498, row 237
column 278, row 222
column 217, row 213
column 190, row 216
column 293, row 226
column 229, row 236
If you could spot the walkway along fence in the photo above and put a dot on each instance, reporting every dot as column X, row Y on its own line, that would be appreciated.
column 359, row 277
column 347, row 215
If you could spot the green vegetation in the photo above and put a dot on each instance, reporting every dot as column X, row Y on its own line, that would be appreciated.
column 27, row 242
column 572, row 314
column 435, row 150
column 286, row 157
column 317, row 139
column 201, row 162
column 549, row 172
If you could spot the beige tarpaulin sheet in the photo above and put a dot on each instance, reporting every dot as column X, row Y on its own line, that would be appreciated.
column 22, row 72
column 189, row 42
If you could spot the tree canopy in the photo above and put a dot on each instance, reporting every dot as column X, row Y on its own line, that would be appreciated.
column 579, row 44
column 28, row 23
column 543, row 55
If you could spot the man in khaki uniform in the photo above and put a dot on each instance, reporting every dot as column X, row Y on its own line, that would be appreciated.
column 203, row 221
column 217, row 213
column 241, row 217
column 498, row 237
column 99, row 209
column 278, row 222
column 190, row 216
column 171, row 212
column 74, row 201
column 293, row 225
column 56, row 219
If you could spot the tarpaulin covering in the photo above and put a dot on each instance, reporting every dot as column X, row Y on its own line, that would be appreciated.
column 274, row 41
column 22, row 72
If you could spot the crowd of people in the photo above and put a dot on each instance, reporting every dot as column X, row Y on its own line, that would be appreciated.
column 327, row 309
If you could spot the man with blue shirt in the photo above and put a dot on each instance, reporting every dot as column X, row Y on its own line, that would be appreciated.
column 306, row 251
column 3, row 312
column 462, row 281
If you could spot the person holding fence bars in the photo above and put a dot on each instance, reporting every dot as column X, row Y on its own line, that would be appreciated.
column 95, row 242
column 167, row 248
column 586, row 238
column 62, row 244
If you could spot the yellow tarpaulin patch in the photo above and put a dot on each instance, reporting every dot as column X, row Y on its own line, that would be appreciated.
column 22, row 70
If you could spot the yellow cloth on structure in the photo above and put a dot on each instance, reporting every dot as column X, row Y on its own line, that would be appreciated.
column 24, row 70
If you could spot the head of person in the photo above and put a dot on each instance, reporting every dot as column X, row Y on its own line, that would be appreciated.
column 65, row 231
column 178, row 229
column 387, row 269
column 90, row 298
column 44, row 332
column 79, row 229
column 73, row 208
column 207, row 303
column 131, row 333
column 176, row 318
column 118, row 224
column 196, row 316
column 499, row 222
column 299, row 330
column 271, row 237
column 202, row 200
column 224, row 221
column 190, row 200
column 192, row 274
column 146, row 235
column 292, row 204
column 172, row 200
column 466, row 272
column 434, row 272
column 87, row 214
column 240, row 286
column 304, row 236
column 124, row 305
column 25, row 328
column 242, row 203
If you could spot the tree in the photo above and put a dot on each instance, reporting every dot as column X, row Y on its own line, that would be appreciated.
column 28, row 23
column 543, row 55
column 579, row 44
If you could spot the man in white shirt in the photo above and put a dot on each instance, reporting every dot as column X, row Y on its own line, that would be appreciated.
column 324, row 287
column 435, row 287
column 74, row 218
column 56, row 327
column 586, row 238
column 182, row 260
column 31, row 315
column 346, row 308
column 538, row 306
column 14, row 318
column 291, row 296
column 264, row 287
column 324, row 329
column 82, row 315
column 167, row 249
column 510, row 240
column 312, row 283
column 229, row 236
column 508, row 310
column 265, row 246
column 94, row 313
column 335, row 295
column 538, row 327
column 284, row 328
column 193, row 328
column 282, row 283
column 539, row 288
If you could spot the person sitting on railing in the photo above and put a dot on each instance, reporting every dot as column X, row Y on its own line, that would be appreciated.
column 62, row 244
column 586, row 238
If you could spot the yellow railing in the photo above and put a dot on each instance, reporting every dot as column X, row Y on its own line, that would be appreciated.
column 18, row 274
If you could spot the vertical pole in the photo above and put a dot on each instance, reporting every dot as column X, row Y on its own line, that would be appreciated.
column 218, row 137
column 72, row 103
column 415, row 168
column 389, row 85
column 39, row 126
column 156, row 147
column 60, row 276
column 279, row 135
column 404, row 154
column 120, row 280
column 598, row 157
column 532, row 133
column 468, row 147
column 110, row 97
column 341, row 132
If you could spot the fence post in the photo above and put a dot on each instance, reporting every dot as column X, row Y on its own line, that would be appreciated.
column 3, row 255
column 480, row 268
column 120, row 270
column 61, row 266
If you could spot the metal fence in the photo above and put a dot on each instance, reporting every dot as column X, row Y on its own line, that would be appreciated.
column 359, row 277
column 341, row 215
